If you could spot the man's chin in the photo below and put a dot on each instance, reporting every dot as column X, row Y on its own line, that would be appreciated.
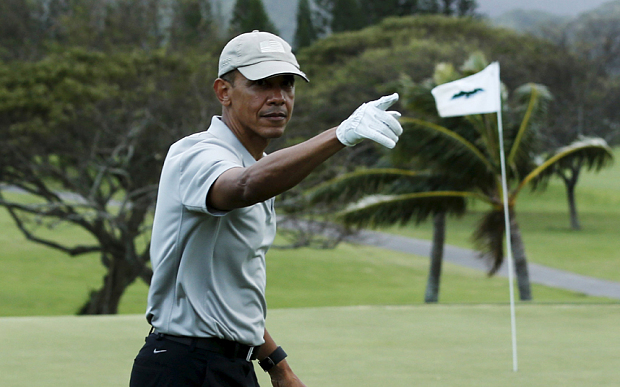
column 274, row 131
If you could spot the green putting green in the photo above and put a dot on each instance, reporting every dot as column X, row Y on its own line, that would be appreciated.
column 425, row 345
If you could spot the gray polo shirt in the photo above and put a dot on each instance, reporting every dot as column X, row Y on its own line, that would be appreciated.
column 208, row 266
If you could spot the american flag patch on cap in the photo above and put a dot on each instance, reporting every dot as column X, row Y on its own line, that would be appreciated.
column 271, row 46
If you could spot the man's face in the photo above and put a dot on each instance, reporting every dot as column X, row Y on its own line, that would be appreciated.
column 263, row 107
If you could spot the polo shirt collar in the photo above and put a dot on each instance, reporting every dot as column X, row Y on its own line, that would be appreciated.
column 219, row 129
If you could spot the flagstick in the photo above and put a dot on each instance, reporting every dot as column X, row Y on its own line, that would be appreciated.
column 488, row 86
column 508, row 242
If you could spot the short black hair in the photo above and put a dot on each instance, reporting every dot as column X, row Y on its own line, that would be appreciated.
column 229, row 76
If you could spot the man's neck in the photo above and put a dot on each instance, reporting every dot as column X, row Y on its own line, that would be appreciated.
column 254, row 144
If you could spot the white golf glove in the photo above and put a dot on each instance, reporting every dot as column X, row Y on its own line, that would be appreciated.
column 371, row 121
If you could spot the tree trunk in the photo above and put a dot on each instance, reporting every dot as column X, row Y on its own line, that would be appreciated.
column 574, row 220
column 570, row 181
column 434, row 274
column 120, row 275
column 520, row 261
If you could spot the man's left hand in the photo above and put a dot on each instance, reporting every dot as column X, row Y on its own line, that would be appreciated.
column 283, row 376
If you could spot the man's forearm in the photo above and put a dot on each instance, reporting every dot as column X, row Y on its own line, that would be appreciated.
column 273, row 174
column 284, row 169
column 281, row 374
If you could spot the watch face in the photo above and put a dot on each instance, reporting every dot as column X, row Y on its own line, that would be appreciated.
column 266, row 363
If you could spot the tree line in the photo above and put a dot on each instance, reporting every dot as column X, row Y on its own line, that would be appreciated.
column 93, row 93
column 29, row 29
column 332, row 16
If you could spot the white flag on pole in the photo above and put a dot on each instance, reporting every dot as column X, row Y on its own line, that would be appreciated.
column 476, row 94
column 479, row 94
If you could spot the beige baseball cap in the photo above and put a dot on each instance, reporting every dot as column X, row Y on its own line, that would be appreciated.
column 259, row 55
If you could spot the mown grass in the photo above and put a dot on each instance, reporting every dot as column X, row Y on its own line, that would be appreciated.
column 425, row 345
column 35, row 280
column 39, row 281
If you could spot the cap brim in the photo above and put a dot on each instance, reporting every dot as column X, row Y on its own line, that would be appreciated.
column 268, row 69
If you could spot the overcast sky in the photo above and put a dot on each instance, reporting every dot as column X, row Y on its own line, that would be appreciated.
column 559, row 7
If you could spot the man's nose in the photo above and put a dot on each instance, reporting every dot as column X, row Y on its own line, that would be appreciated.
column 277, row 95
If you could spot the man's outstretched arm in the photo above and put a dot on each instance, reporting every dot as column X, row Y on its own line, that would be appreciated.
column 272, row 174
column 284, row 169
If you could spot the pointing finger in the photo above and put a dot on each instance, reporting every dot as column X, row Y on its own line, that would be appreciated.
column 385, row 102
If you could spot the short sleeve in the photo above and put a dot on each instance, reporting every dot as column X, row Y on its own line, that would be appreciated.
column 200, row 166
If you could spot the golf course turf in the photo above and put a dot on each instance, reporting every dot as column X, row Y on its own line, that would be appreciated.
column 424, row 345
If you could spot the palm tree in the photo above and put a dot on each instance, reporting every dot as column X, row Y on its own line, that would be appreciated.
column 570, row 169
column 461, row 156
column 386, row 196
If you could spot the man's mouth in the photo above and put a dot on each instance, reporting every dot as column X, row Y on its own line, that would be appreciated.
column 275, row 114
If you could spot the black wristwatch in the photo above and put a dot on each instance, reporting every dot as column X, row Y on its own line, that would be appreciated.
column 270, row 361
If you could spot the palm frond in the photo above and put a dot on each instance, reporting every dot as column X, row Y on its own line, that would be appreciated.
column 417, row 97
column 383, row 210
column 488, row 138
column 448, row 141
column 351, row 186
column 593, row 152
column 488, row 239
column 444, row 73
column 538, row 97
column 476, row 62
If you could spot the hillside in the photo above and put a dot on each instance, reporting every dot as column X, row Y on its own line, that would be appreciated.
column 537, row 21
column 607, row 10
column 528, row 20
column 283, row 15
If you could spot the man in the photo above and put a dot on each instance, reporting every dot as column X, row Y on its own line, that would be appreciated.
column 215, row 220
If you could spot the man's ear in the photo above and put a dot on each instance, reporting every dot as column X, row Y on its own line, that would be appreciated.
column 222, row 91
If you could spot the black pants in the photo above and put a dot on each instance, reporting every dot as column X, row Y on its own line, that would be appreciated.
column 162, row 362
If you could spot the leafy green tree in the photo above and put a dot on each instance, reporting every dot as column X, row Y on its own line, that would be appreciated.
column 569, row 169
column 529, row 102
column 592, row 111
column 347, row 15
column 249, row 15
column 192, row 26
column 133, row 24
column 351, row 15
column 306, row 32
column 363, row 65
column 430, row 6
column 84, row 136
column 376, row 10
column 391, row 195
column 51, row 13
column 33, row 29
column 447, row 8
column 18, row 30
column 103, row 26
column 588, row 106
column 466, row 7
column 470, row 143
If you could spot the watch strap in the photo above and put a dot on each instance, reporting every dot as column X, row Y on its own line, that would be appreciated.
column 270, row 361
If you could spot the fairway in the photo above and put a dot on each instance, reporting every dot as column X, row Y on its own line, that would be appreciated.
column 426, row 345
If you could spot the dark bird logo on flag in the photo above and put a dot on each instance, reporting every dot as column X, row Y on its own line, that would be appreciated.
column 475, row 94
column 467, row 94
